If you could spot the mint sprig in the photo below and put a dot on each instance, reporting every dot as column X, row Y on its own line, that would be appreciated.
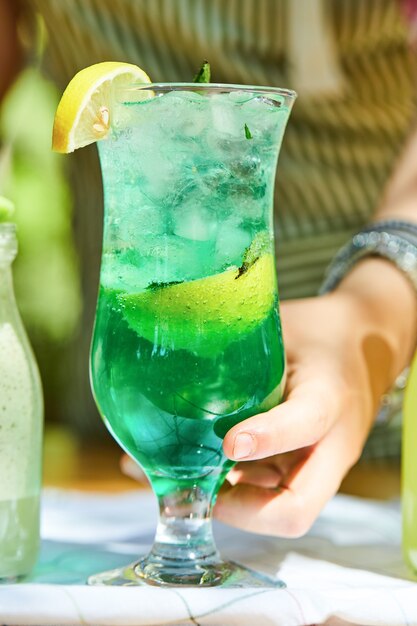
column 204, row 73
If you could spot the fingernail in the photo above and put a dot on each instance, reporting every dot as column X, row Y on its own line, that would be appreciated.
column 244, row 445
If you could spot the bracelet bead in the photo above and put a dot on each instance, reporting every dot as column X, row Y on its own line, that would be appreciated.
column 389, row 240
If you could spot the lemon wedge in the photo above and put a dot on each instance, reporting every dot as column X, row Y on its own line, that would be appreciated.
column 83, row 115
column 203, row 315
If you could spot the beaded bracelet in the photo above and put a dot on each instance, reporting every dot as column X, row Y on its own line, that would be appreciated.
column 394, row 240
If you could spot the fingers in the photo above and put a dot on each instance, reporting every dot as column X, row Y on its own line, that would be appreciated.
column 290, row 510
column 303, row 419
column 259, row 474
column 132, row 469
column 268, row 473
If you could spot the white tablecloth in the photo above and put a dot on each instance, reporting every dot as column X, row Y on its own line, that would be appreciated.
column 348, row 569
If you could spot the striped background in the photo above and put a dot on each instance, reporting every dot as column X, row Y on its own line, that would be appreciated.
column 338, row 150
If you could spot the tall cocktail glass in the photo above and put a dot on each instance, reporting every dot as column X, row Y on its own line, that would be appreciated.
column 187, row 340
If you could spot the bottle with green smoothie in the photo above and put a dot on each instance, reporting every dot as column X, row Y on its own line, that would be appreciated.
column 21, row 417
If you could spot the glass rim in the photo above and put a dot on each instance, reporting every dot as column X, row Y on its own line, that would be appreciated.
column 208, row 87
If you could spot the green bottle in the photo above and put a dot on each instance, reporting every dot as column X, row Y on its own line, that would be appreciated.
column 409, row 470
column 21, row 418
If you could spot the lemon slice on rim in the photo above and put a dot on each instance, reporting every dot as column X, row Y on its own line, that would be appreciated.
column 83, row 115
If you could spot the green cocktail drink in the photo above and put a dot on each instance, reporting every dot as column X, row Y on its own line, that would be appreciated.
column 187, row 340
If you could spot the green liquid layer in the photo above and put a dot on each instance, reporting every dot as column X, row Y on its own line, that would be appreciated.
column 170, row 408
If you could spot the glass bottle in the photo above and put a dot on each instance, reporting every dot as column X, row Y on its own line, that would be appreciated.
column 21, row 419
column 409, row 470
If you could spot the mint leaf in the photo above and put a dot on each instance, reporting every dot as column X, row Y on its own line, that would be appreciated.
column 160, row 285
column 204, row 73
column 260, row 244
column 248, row 134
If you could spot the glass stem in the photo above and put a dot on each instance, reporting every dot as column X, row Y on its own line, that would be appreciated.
column 184, row 531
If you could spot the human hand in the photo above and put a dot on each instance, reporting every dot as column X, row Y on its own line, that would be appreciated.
column 344, row 350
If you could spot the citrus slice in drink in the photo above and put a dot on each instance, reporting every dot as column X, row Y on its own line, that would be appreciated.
column 83, row 115
column 204, row 315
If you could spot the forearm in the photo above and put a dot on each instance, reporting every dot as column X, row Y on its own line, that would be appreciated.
column 399, row 200
column 385, row 295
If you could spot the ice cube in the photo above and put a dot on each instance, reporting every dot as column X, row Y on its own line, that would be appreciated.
column 225, row 117
column 231, row 243
column 177, row 258
column 118, row 273
column 157, row 173
column 149, row 219
column 265, row 102
column 193, row 97
column 264, row 114
column 241, row 96
column 248, row 165
column 182, row 114
column 132, row 215
column 194, row 222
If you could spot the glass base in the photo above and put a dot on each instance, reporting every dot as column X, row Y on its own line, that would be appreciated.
column 225, row 574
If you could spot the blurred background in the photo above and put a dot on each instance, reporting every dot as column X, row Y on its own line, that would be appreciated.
column 47, row 270
column 46, row 273
column 335, row 160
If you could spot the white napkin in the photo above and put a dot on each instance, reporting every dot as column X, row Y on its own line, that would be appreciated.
column 333, row 575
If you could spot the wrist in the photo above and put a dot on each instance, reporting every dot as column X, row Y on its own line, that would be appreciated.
column 386, row 303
